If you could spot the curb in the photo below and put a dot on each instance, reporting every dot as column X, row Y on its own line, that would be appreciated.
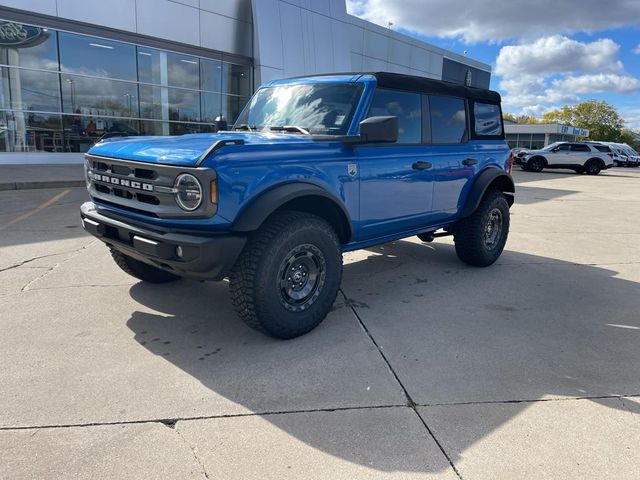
column 38, row 185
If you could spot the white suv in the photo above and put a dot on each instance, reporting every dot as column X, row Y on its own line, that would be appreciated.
column 582, row 157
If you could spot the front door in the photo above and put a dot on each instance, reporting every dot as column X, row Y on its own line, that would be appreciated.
column 396, row 183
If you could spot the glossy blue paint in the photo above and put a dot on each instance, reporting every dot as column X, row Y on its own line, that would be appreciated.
column 387, row 199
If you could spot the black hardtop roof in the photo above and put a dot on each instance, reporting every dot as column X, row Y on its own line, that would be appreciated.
column 413, row 83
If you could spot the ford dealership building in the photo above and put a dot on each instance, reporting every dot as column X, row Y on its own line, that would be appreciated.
column 74, row 71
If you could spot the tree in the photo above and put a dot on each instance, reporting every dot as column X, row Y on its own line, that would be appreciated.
column 628, row 137
column 601, row 119
column 521, row 119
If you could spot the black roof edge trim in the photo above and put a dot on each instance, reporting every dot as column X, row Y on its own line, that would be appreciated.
column 400, row 81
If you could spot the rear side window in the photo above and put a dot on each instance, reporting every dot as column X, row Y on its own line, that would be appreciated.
column 448, row 119
column 488, row 121
column 602, row 148
column 406, row 106
column 580, row 147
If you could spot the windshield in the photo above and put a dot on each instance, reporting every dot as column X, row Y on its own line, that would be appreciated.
column 314, row 108
column 551, row 147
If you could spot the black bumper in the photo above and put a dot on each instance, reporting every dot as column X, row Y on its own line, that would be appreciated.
column 203, row 257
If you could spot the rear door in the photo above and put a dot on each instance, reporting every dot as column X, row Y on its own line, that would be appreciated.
column 455, row 160
column 580, row 153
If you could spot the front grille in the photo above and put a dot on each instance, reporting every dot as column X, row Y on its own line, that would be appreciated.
column 142, row 187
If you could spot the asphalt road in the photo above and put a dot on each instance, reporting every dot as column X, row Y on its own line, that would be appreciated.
column 425, row 368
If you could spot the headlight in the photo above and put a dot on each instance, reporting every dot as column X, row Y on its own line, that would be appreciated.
column 188, row 192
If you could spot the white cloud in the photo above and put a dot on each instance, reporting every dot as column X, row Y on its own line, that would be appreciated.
column 557, row 70
column 637, row 49
column 558, row 54
column 611, row 83
column 631, row 116
column 478, row 20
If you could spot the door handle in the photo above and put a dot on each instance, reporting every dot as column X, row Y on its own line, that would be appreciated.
column 421, row 165
column 467, row 162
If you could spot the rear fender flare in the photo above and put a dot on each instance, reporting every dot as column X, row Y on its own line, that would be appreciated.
column 489, row 179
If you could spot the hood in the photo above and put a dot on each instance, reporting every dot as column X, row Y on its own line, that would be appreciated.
column 183, row 150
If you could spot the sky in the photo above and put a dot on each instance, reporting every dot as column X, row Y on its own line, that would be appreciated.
column 544, row 54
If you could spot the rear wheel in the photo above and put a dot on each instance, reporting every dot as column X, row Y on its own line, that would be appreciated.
column 593, row 167
column 480, row 238
column 288, row 276
column 141, row 270
column 536, row 164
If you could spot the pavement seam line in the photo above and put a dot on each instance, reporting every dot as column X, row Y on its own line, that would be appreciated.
column 171, row 422
column 526, row 400
column 410, row 403
column 624, row 405
column 203, row 470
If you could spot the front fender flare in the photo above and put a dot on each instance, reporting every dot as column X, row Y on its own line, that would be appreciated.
column 252, row 216
column 494, row 178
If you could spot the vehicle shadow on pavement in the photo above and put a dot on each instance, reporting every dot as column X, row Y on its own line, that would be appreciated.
column 526, row 329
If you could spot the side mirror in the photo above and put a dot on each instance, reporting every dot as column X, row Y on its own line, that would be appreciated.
column 379, row 129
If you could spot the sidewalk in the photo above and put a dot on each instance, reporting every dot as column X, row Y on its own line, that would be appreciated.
column 23, row 177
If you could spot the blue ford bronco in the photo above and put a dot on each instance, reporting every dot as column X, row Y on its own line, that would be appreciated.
column 312, row 168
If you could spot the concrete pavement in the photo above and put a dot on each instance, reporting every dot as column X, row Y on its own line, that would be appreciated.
column 28, row 177
column 426, row 368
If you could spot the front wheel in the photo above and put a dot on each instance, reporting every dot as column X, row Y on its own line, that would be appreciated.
column 288, row 276
column 480, row 238
column 535, row 164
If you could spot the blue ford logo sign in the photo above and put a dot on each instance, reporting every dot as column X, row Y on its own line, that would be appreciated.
column 14, row 34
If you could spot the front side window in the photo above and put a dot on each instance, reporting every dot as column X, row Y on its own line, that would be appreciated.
column 448, row 119
column 563, row 147
column 316, row 108
column 406, row 106
column 488, row 121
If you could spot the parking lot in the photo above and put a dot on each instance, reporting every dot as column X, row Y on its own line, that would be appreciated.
column 426, row 368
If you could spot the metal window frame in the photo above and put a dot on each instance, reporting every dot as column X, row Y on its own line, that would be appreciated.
column 106, row 33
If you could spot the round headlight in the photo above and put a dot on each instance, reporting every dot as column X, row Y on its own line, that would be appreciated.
column 189, row 192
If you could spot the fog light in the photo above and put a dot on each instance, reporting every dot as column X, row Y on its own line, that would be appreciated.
column 179, row 251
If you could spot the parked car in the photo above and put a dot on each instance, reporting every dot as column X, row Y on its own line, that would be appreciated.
column 630, row 157
column 314, row 167
column 582, row 157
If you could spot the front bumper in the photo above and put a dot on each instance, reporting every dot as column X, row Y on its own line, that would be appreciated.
column 203, row 257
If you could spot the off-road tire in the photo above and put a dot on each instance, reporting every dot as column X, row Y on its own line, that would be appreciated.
column 256, row 280
column 536, row 164
column 141, row 270
column 469, row 233
column 593, row 167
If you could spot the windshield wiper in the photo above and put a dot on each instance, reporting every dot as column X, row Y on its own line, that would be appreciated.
column 244, row 126
column 290, row 128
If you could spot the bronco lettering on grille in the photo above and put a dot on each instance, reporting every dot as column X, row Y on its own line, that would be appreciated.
column 98, row 177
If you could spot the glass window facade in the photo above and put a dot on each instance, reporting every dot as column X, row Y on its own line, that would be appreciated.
column 61, row 92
